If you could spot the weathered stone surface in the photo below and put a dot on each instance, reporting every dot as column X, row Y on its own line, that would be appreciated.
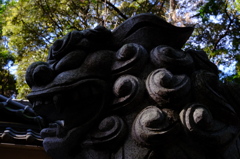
column 134, row 94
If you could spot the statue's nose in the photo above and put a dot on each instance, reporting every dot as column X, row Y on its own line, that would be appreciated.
column 39, row 73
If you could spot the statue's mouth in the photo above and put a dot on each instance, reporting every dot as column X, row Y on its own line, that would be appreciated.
column 54, row 87
column 52, row 96
column 48, row 105
column 70, row 106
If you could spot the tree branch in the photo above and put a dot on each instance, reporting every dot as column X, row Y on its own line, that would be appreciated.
column 150, row 8
column 116, row 9
column 226, row 32
column 35, row 31
column 49, row 13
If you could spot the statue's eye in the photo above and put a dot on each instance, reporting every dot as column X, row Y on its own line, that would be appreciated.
column 60, row 47
column 57, row 46
column 65, row 45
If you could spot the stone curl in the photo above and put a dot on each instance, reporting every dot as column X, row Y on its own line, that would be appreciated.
column 176, row 61
column 110, row 134
column 167, row 89
column 130, row 59
column 199, row 122
column 155, row 127
column 128, row 91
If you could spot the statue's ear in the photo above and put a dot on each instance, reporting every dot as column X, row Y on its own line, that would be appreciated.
column 150, row 31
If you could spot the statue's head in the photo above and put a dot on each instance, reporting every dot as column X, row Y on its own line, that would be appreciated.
column 131, row 92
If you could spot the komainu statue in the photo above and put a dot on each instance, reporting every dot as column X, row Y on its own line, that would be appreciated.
column 132, row 93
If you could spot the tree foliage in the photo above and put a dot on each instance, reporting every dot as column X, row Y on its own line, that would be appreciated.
column 7, row 80
column 237, row 4
column 31, row 26
column 218, row 33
